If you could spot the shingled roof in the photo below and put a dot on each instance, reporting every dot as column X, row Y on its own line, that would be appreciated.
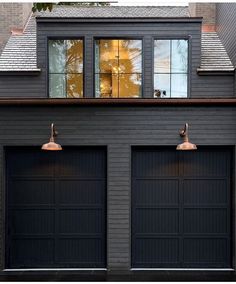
column 213, row 54
column 20, row 51
column 116, row 12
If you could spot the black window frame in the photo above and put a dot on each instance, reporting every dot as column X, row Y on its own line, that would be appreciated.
column 110, row 37
column 47, row 57
column 178, row 37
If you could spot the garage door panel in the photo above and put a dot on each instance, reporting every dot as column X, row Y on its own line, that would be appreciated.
column 157, row 220
column 205, row 192
column 205, row 220
column 89, row 220
column 30, row 162
column 84, row 251
column 82, row 163
column 181, row 208
column 32, row 221
column 156, row 192
column 52, row 201
column 145, row 164
column 151, row 252
column 81, row 192
column 205, row 163
column 30, row 253
column 28, row 192
column 206, row 251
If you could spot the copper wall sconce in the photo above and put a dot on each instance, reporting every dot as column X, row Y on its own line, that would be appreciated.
column 52, row 145
column 186, row 145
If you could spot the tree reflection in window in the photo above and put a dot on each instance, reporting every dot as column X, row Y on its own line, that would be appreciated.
column 170, row 68
column 66, row 68
column 118, row 68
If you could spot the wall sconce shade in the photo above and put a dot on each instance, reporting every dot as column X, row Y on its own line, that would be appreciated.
column 186, row 145
column 52, row 145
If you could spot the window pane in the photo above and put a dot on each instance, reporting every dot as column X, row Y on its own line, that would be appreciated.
column 115, row 86
column 162, row 56
column 66, row 68
column 74, row 61
column 179, row 61
column 130, row 56
column 106, row 85
column 57, row 55
column 106, row 54
column 171, row 68
column 57, row 86
column 130, row 85
column 74, row 85
column 162, row 86
column 179, row 85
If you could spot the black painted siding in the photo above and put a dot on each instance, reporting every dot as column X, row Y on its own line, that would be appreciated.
column 200, row 86
column 118, row 128
column 22, row 86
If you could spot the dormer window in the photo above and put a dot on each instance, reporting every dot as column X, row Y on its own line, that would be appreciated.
column 65, row 68
column 171, row 68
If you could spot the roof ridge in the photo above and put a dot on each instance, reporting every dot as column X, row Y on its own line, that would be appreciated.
column 120, row 6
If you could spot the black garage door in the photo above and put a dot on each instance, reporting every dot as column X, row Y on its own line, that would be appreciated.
column 180, row 208
column 56, row 204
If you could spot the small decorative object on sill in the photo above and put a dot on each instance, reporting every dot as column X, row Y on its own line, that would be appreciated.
column 159, row 94
column 186, row 145
column 52, row 145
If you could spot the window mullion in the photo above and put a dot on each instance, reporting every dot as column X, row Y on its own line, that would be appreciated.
column 118, row 74
column 65, row 70
column 170, row 68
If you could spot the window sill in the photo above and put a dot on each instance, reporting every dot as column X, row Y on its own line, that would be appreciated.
column 118, row 102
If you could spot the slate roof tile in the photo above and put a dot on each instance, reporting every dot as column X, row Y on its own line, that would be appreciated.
column 20, row 50
column 213, row 54
column 115, row 12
